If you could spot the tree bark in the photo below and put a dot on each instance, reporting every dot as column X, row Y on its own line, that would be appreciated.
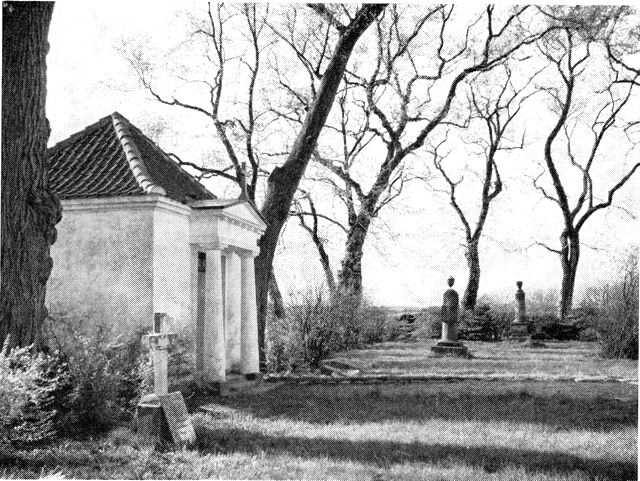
column 284, row 180
column 29, row 210
column 276, row 297
column 470, row 295
column 350, row 276
column 569, row 256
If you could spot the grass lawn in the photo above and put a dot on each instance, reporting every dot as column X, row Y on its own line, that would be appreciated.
column 463, row 430
column 558, row 360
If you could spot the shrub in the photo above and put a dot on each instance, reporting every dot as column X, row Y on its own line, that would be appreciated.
column 106, row 376
column 28, row 387
column 182, row 354
column 433, row 319
column 317, row 326
column 483, row 324
column 618, row 323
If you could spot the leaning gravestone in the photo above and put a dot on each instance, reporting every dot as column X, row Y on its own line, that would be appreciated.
column 449, row 344
column 163, row 416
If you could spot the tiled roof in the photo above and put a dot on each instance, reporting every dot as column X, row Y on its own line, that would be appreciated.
column 114, row 158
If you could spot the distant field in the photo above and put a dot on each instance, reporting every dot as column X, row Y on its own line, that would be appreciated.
column 500, row 359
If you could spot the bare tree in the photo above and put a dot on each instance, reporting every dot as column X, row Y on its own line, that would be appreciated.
column 29, row 210
column 389, row 106
column 236, row 130
column 344, row 26
column 576, row 102
column 494, row 111
column 314, row 233
column 239, row 131
column 284, row 179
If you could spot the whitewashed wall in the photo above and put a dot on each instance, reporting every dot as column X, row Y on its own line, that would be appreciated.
column 103, row 263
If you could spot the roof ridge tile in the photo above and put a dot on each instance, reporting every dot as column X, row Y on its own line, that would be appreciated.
column 136, row 163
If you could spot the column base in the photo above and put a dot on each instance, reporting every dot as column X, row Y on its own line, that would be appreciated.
column 254, row 376
column 450, row 348
column 518, row 331
column 215, row 388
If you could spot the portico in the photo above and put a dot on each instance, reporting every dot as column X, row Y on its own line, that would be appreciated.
column 224, row 244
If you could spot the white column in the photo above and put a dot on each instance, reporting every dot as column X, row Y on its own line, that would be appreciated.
column 233, row 306
column 214, row 348
column 249, row 341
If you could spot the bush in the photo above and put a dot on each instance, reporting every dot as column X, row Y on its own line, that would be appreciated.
column 374, row 325
column 106, row 376
column 182, row 355
column 618, row 323
column 28, row 387
column 316, row 327
column 432, row 317
column 483, row 324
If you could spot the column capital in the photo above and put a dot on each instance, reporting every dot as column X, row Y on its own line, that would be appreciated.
column 247, row 254
column 229, row 249
column 209, row 246
column 215, row 247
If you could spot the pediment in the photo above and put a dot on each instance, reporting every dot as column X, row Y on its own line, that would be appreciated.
column 234, row 209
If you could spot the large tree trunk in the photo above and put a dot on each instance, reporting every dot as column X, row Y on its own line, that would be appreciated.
column 569, row 256
column 276, row 297
column 470, row 295
column 29, row 210
column 284, row 180
column 350, row 275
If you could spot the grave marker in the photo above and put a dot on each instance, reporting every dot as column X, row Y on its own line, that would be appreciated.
column 519, row 329
column 449, row 344
column 163, row 416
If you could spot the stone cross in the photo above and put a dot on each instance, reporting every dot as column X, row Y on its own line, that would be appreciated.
column 158, row 343
column 163, row 416
column 521, row 310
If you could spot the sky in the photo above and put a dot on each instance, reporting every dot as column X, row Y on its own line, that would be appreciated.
column 415, row 244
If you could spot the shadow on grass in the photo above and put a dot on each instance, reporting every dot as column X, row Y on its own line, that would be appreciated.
column 385, row 453
column 591, row 407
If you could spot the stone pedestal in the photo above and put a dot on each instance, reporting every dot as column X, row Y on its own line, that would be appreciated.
column 449, row 344
column 450, row 348
column 151, row 424
column 519, row 329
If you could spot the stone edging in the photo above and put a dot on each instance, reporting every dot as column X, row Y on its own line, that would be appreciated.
column 408, row 379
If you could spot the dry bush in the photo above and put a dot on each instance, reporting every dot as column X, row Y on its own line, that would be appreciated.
column 107, row 374
column 617, row 322
column 317, row 326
